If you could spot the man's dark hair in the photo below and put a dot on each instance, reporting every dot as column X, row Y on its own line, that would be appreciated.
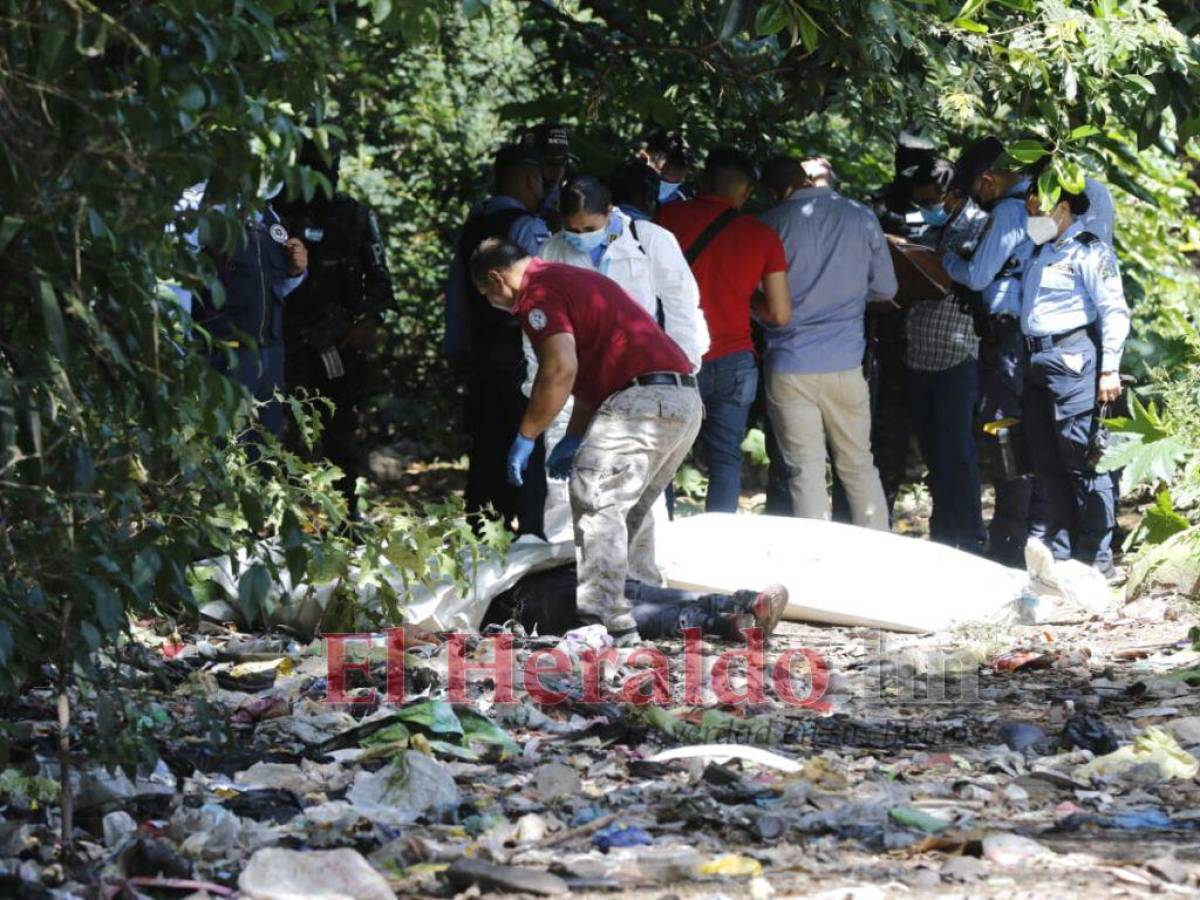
column 935, row 171
column 584, row 193
column 636, row 184
column 1077, row 203
column 782, row 173
column 668, row 146
column 982, row 156
column 494, row 254
column 728, row 169
column 514, row 159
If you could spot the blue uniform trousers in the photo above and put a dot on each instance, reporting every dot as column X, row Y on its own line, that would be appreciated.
column 1060, row 417
column 941, row 406
column 1020, row 506
column 261, row 372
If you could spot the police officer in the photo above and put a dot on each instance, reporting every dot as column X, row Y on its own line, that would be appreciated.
column 266, row 264
column 332, row 320
column 552, row 143
column 668, row 154
column 1074, row 320
column 993, row 272
column 486, row 345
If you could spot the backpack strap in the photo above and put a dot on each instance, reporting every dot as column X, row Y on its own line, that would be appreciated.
column 715, row 227
column 637, row 240
column 660, row 314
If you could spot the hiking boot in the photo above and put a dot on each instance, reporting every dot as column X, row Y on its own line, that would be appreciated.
column 768, row 606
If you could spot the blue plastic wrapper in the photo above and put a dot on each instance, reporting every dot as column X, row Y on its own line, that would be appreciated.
column 617, row 835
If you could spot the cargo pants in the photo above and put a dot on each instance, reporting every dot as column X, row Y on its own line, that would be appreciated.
column 634, row 445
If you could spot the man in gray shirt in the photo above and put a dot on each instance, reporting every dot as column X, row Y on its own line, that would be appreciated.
column 838, row 261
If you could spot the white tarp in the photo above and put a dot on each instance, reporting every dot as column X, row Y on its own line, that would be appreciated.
column 838, row 574
column 835, row 574
column 442, row 608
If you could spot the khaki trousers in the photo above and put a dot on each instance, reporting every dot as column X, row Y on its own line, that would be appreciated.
column 809, row 410
column 633, row 447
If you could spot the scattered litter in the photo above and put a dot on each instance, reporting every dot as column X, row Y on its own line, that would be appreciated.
column 618, row 835
column 732, row 865
column 1153, row 756
column 278, row 874
column 1013, row 849
column 400, row 792
column 722, row 753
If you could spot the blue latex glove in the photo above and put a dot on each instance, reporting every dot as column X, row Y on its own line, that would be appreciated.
column 562, row 457
column 518, row 458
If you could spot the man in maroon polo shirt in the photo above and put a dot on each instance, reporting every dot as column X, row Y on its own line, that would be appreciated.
column 637, row 412
column 741, row 268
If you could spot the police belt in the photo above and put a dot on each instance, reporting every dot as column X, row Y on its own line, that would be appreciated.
column 1044, row 344
column 1005, row 322
column 653, row 378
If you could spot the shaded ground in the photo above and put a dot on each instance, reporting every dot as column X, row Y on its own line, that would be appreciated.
column 940, row 766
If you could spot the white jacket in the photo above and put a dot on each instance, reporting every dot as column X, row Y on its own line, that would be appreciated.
column 650, row 267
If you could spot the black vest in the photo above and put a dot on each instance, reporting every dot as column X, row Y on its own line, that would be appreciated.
column 496, row 349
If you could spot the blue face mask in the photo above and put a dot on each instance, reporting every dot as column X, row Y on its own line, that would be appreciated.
column 935, row 215
column 587, row 241
column 666, row 189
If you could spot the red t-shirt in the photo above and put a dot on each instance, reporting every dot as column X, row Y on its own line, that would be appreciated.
column 729, row 270
column 615, row 339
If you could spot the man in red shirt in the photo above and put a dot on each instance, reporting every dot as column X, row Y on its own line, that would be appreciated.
column 741, row 268
column 636, row 414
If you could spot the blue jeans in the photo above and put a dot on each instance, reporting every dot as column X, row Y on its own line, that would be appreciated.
column 941, row 406
column 727, row 387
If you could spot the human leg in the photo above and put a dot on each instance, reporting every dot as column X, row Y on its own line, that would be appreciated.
column 846, row 411
column 796, row 417
column 727, row 387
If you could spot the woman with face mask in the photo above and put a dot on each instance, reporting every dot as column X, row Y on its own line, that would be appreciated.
column 1074, row 320
column 645, row 260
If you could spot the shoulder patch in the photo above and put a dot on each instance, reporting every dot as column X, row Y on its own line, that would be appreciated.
column 537, row 319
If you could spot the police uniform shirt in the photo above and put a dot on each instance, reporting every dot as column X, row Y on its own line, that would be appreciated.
column 995, row 267
column 1071, row 283
column 1101, row 215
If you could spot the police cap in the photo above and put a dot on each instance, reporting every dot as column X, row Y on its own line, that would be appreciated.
column 552, row 141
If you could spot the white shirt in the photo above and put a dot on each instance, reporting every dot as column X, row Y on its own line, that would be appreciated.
column 650, row 268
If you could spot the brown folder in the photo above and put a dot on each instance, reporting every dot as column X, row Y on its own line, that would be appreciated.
column 919, row 272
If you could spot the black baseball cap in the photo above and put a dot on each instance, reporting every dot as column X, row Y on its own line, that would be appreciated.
column 912, row 150
column 552, row 141
column 980, row 157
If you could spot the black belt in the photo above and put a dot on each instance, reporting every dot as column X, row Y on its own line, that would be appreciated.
column 663, row 378
column 1043, row 344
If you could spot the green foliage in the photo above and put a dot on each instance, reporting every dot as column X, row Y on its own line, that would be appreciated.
column 23, row 790
column 119, row 459
column 1159, row 447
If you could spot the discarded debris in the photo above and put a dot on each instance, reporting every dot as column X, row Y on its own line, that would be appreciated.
column 278, row 874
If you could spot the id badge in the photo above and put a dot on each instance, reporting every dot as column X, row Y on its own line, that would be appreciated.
column 332, row 361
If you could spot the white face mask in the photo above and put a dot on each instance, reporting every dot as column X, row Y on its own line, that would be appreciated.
column 1041, row 229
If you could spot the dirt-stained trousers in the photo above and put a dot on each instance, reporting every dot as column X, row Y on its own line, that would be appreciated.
column 634, row 445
